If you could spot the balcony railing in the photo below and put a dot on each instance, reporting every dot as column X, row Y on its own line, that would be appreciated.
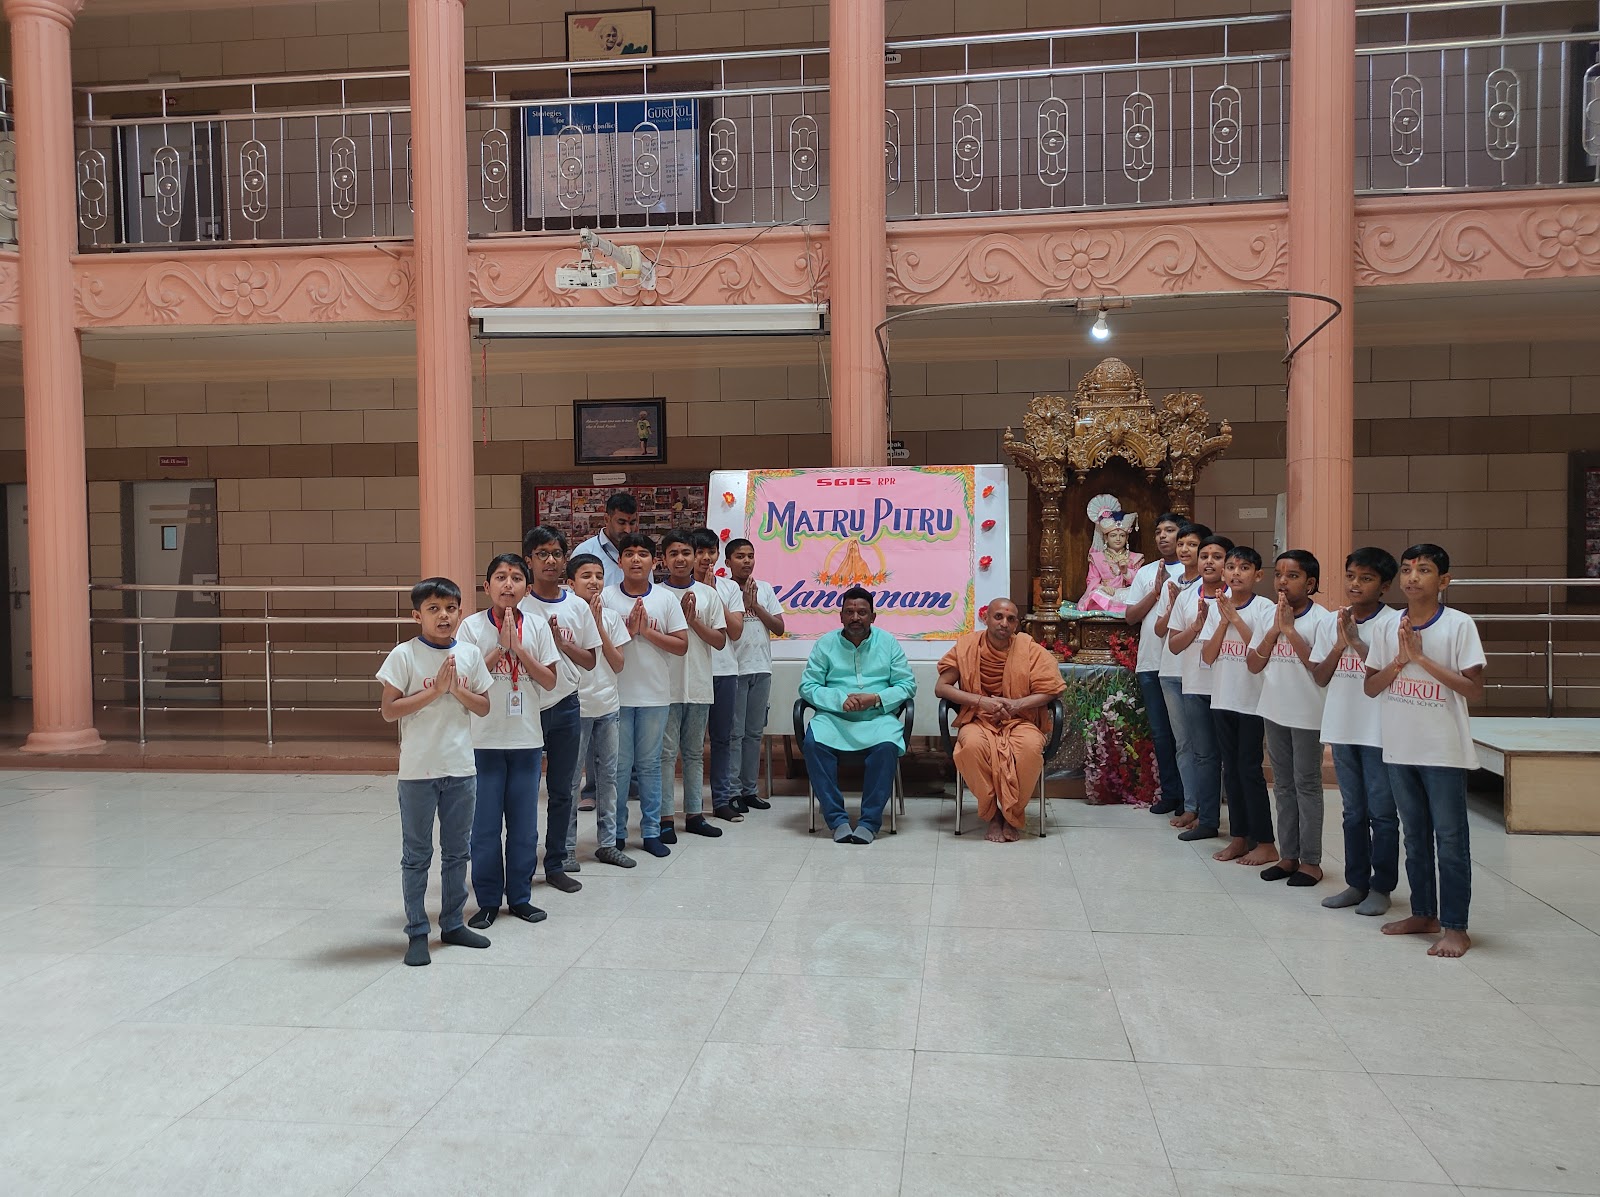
column 1470, row 95
column 8, row 168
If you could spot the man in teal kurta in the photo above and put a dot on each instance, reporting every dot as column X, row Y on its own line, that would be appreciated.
column 857, row 679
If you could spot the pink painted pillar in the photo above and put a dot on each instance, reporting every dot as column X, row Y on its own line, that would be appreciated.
column 445, row 486
column 858, row 241
column 1321, row 429
column 52, row 376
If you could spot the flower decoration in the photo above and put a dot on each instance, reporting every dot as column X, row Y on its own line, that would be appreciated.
column 1124, row 649
column 987, row 525
column 983, row 611
column 724, row 534
column 985, row 562
column 727, row 497
column 722, row 572
column 988, row 492
column 1062, row 649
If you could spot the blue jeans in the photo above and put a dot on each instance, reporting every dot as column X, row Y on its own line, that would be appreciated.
column 561, row 725
column 749, row 729
column 1432, row 800
column 451, row 799
column 1241, row 745
column 1202, row 784
column 1178, row 720
column 725, row 692
column 1155, row 708
column 1371, row 823
column 508, row 792
column 822, row 765
column 639, row 734
column 597, row 746
column 686, row 735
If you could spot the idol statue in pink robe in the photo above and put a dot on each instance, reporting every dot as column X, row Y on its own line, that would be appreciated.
column 1111, row 564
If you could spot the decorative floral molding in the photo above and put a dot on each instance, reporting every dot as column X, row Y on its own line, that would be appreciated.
column 1432, row 239
column 282, row 286
column 9, row 282
column 787, row 265
column 1223, row 248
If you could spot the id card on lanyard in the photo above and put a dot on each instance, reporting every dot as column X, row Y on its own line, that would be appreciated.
column 514, row 699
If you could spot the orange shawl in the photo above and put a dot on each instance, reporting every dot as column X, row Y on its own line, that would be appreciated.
column 1029, row 670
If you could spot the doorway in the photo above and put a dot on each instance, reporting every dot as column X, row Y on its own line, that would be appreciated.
column 19, row 624
column 174, row 534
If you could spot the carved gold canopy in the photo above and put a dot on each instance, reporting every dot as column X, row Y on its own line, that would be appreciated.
column 1110, row 416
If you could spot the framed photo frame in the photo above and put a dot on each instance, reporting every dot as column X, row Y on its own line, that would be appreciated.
column 1583, row 521
column 619, row 432
column 615, row 35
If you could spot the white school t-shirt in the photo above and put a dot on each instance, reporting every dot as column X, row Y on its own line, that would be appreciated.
column 575, row 625
column 1233, row 686
column 1348, row 715
column 437, row 740
column 597, row 692
column 1290, row 696
column 1171, row 662
column 754, row 645
column 1150, row 575
column 1424, row 721
column 646, row 677
column 501, row 728
column 724, row 661
column 691, row 673
column 1197, row 675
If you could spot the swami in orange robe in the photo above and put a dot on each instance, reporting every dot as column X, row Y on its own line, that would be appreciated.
column 1001, row 757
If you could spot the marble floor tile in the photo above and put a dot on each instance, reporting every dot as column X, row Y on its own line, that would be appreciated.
column 811, row 1011
column 1385, row 966
column 627, row 1003
column 56, row 1155
column 1019, row 955
column 503, row 1159
column 1245, row 1028
column 483, row 1000
column 723, row 946
column 1011, row 907
column 841, row 949
column 713, row 1169
column 1189, row 963
column 989, row 1016
column 1005, row 1176
column 271, row 993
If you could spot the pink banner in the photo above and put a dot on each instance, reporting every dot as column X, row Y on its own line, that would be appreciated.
column 904, row 534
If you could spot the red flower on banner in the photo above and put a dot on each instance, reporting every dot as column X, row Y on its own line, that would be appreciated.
column 985, row 562
column 983, row 611
column 727, row 497
column 987, row 525
column 988, row 492
column 721, row 572
column 724, row 534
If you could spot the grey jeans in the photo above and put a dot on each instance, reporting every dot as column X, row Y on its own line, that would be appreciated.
column 597, row 745
column 451, row 800
column 1296, row 755
column 749, row 728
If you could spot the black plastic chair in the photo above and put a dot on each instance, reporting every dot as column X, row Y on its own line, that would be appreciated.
column 897, row 798
column 1058, row 725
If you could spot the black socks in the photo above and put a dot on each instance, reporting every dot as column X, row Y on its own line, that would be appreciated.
column 529, row 913
column 462, row 938
column 559, row 880
column 484, row 918
column 417, row 951
column 656, row 848
column 669, row 833
column 700, row 825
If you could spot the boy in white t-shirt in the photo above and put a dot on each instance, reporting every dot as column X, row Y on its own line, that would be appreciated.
column 1235, row 697
column 1189, row 743
column 1352, row 727
column 508, row 745
column 1192, row 620
column 1145, row 595
column 763, row 620
column 724, row 673
column 1426, row 676
column 433, row 685
column 692, row 692
column 1291, row 705
column 599, row 706
column 654, row 618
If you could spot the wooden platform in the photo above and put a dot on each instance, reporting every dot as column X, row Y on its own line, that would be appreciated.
column 1551, row 769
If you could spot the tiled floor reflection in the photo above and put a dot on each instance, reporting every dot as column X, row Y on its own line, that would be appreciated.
column 201, row 992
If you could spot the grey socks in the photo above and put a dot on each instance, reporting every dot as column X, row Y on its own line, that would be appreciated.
column 417, row 951
column 1344, row 898
column 1376, row 903
column 463, row 938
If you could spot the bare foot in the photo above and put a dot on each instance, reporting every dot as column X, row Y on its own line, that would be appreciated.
column 1261, row 854
column 996, row 832
column 1233, row 850
column 1184, row 821
column 1009, row 833
column 1415, row 925
column 1452, row 944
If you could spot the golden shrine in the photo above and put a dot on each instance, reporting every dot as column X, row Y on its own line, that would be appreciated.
column 1108, row 437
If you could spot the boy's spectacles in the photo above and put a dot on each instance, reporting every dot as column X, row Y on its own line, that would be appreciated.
column 547, row 555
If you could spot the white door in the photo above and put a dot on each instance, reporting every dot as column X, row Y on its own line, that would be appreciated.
column 17, row 597
column 175, row 543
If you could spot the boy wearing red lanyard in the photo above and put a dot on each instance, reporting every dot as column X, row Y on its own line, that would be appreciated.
column 508, row 744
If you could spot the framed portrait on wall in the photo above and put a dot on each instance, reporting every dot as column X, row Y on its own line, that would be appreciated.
column 619, row 431
column 1583, row 520
column 618, row 35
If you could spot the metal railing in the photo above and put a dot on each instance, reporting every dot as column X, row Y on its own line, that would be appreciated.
column 1547, row 604
column 230, row 670
column 8, row 168
column 268, row 161
column 1176, row 112
column 1468, row 95
column 1477, row 95
column 686, row 139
